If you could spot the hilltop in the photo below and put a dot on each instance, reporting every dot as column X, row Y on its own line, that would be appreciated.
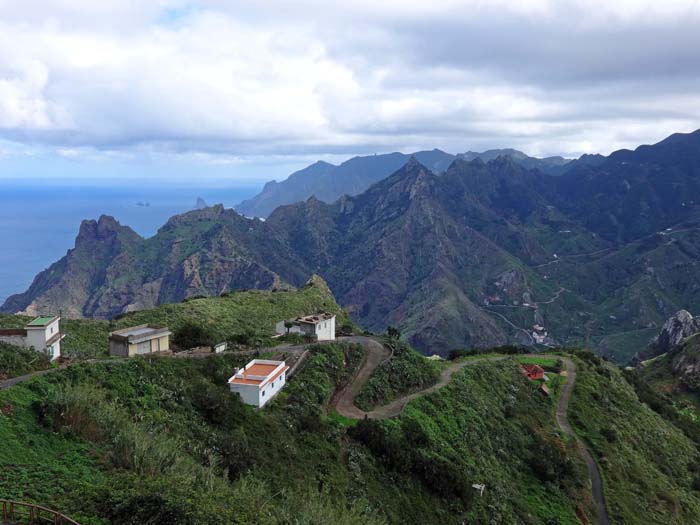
column 243, row 316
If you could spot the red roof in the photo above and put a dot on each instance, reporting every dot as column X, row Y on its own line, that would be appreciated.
column 533, row 372
column 259, row 374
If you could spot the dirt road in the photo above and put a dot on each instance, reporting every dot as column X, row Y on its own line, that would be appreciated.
column 377, row 353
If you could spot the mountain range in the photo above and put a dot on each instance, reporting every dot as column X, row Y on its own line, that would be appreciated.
column 478, row 254
column 328, row 182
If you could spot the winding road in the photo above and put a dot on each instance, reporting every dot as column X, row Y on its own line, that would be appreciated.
column 377, row 353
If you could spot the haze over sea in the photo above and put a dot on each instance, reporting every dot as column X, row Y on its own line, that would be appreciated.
column 38, row 223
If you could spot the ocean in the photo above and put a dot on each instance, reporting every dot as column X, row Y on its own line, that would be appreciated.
column 39, row 222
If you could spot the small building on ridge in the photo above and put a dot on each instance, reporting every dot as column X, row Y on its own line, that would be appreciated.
column 322, row 326
column 139, row 340
column 43, row 334
column 533, row 372
column 259, row 381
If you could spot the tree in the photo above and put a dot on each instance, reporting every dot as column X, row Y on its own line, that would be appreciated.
column 191, row 334
column 393, row 333
column 288, row 325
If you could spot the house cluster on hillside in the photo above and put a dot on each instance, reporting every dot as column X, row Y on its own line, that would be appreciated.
column 43, row 334
column 258, row 382
column 539, row 334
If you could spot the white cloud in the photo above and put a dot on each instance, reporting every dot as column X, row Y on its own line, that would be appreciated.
column 305, row 77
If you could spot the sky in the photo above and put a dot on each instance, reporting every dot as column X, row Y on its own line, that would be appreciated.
column 222, row 91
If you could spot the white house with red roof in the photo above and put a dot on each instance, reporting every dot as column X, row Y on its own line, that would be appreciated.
column 259, row 381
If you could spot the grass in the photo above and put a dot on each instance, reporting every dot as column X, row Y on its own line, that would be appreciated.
column 161, row 440
column 252, row 314
column 405, row 372
column 544, row 362
column 341, row 420
column 647, row 463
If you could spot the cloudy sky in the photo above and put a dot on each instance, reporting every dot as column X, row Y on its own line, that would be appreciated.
column 249, row 90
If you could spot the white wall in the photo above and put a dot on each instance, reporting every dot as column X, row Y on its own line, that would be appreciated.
column 271, row 389
column 249, row 393
column 256, row 396
column 16, row 340
column 282, row 330
column 325, row 330
column 56, row 350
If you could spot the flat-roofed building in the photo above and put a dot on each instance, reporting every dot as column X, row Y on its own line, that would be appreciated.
column 42, row 333
column 322, row 326
column 139, row 340
column 259, row 381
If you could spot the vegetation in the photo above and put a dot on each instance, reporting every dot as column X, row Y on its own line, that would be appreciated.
column 154, row 440
column 404, row 372
column 502, row 435
column 162, row 440
column 16, row 361
column 503, row 349
column 649, row 466
column 246, row 317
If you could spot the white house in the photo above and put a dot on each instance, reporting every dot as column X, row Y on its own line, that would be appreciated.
column 259, row 381
column 43, row 334
column 320, row 325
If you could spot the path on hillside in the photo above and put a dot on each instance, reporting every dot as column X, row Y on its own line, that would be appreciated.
column 563, row 422
column 377, row 353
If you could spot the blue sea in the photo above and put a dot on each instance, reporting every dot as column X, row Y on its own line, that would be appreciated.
column 39, row 222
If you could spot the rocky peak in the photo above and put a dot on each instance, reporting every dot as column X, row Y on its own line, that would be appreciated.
column 677, row 328
column 318, row 282
column 104, row 228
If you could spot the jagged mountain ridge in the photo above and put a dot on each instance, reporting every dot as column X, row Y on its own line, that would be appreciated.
column 328, row 182
column 451, row 259
column 112, row 269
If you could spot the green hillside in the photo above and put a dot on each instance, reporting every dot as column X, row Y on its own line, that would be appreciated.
column 247, row 315
column 154, row 440
column 649, row 466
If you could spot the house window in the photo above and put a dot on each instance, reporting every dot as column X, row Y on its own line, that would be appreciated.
column 273, row 385
column 263, row 393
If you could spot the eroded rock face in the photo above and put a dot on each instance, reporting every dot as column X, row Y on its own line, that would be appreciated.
column 677, row 328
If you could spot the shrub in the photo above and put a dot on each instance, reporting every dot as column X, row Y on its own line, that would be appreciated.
column 191, row 334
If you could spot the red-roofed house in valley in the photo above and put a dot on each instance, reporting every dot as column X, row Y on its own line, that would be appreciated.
column 259, row 381
column 533, row 372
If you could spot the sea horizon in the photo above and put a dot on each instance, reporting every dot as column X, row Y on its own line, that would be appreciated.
column 39, row 223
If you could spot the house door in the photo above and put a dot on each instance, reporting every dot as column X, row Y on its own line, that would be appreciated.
column 143, row 348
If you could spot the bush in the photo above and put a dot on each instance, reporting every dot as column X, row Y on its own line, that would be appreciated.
column 191, row 335
column 16, row 361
